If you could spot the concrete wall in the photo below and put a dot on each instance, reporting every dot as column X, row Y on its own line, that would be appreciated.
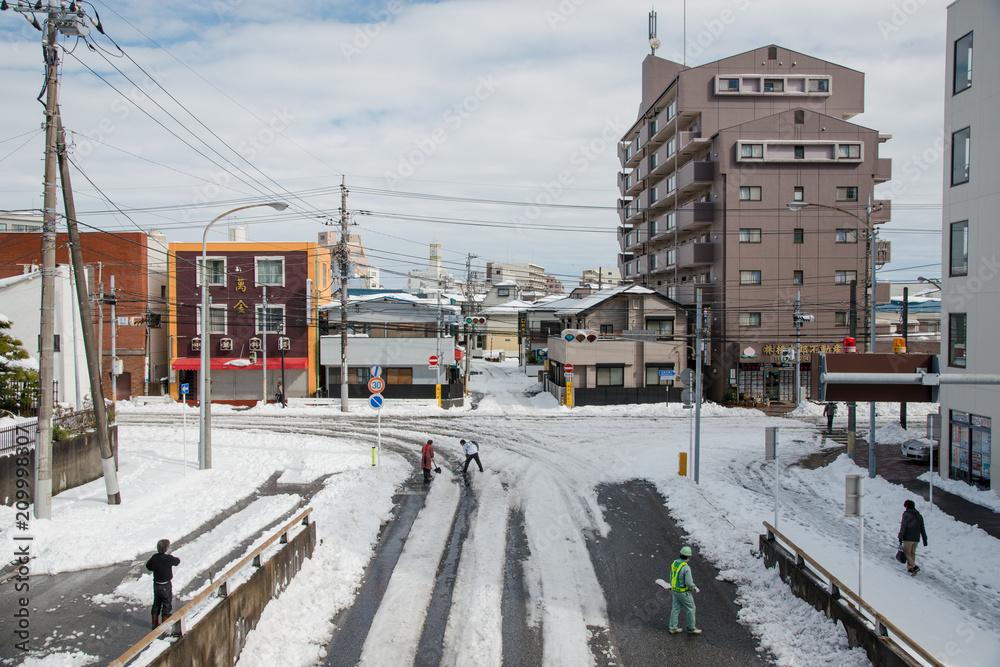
column 219, row 636
column 806, row 586
column 74, row 463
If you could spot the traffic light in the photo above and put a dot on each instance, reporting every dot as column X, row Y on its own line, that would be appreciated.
column 579, row 335
column 475, row 320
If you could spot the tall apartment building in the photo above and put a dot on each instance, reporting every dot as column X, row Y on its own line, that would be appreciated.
column 530, row 277
column 970, row 301
column 717, row 153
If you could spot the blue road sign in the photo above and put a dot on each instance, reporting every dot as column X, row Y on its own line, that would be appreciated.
column 376, row 401
column 668, row 374
column 185, row 388
column 376, row 371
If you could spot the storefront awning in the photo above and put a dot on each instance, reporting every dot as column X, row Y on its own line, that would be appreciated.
column 237, row 364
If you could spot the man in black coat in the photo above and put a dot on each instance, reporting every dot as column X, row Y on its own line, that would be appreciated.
column 911, row 529
column 161, row 564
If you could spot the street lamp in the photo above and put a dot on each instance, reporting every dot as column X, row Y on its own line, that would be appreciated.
column 937, row 284
column 797, row 206
column 205, row 369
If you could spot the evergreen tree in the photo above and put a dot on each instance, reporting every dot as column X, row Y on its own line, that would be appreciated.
column 18, row 373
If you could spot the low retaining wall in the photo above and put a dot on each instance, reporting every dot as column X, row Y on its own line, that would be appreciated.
column 219, row 636
column 881, row 651
column 74, row 462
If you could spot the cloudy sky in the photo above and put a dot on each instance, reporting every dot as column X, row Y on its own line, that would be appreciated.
column 449, row 120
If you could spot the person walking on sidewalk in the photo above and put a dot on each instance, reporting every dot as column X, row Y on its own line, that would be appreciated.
column 830, row 411
column 682, row 585
column 471, row 450
column 427, row 461
column 911, row 529
column 162, row 564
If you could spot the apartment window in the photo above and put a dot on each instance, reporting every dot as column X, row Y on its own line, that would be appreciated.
column 752, row 150
column 628, row 242
column 652, row 127
column 959, row 265
column 729, row 84
column 663, row 328
column 653, row 228
column 750, row 277
column 652, row 195
column 270, row 319
column 607, row 329
column 610, row 376
column 962, row 76
column 799, row 235
column 652, row 262
column 749, row 319
column 842, row 277
column 669, row 220
column 269, row 271
column 215, row 270
column 653, row 378
column 748, row 235
column 774, row 85
column 671, row 146
column 798, row 278
column 960, row 150
column 847, row 236
column 670, row 257
column 800, row 116
column 849, row 151
column 799, row 194
column 653, row 161
column 56, row 343
column 847, row 194
column 628, row 268
column 628, row 180
column 842, row 318
column 217, row 319
column 957, row 324
column 505, row 291
column 800, row 152
column 819, row 85
column 750, row 192
column 672, row 108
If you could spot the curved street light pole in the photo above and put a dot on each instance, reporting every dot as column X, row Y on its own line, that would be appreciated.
column 205, row 368
column 797, row 206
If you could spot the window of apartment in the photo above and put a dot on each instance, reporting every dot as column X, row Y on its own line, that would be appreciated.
column 653, row 228
column 269, row 270
column 628, row 268
column 669, row 256
column 799, row 235
column 749, row 319
column 752, row 150
column 653, row 161
column 217, row 319
column 847, row 194
column 750, row 277
column 729, row 84
column 798, row 278
column 628, row 242
column 607, row 329
column 819, row 85
column 749, row 235
column 661, row 327
column 799, row 194
column 215, row 270
column 842, row 318
column 669, row 181
column 750, row 192
column 653, row 263
column 800, row 152
column 962, row 76
column 959, row 265
column 652, row 127
column 610, row 376
column 847, row 236
column 849, row 151
column 270, row 319
column 628, row 180
column 653, row 378
column 628, row 212
column 800, row 116
column 672, row 108
column 669, row 220
column 960, row 151
column 774, row 85
column 652, row 195
column 957, row 324
column 842, row 277
column 671, row 145
column 505, row 291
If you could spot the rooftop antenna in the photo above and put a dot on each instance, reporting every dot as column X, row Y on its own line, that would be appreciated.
column 654, row 43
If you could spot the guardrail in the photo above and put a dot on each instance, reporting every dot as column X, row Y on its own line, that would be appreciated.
column 178, row 621
column 884, row 629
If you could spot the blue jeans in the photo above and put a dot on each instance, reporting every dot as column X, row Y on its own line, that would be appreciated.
column 682, row 599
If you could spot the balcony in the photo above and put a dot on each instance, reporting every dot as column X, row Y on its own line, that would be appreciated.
column 691, row 255
column 691, row 144
column 629, row 154
column 629, row 183
column 883, row 214
column 883, row 170
column 687, row 292
column 695, row 216
column 695, row 178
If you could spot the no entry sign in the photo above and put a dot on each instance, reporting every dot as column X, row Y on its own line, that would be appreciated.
column 568, row 369
column 433, row 361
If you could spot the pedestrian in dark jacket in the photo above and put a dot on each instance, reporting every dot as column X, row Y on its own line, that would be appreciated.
column 161, row 564
column 911, row 529
column 427, row 461
column 830, row 411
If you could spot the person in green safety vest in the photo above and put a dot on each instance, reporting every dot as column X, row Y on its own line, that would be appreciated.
column 682, row 586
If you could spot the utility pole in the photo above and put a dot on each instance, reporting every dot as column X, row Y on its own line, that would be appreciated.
column 265, row 321
column 114, row 344
column 852, row 407
column 698, row 346
column 343, row 296
column 906, row 340
column 798, row 345
column 93, row 367
column 469, row 310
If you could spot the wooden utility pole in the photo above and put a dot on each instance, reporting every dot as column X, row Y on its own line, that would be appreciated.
column 343, row 296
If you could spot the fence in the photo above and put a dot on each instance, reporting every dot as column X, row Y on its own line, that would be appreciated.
column 21, row 434
column 885, row 644
column 19, row 398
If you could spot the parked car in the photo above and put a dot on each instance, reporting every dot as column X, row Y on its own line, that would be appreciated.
column 918, row 450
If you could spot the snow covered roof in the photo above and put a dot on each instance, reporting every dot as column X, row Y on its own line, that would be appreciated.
column 507, row 307
column 577, row 306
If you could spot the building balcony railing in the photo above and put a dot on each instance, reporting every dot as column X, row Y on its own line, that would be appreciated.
column 629, row 154
column 883, row 170
column 695, row 254
column 695, row 178
column 686, row 293
column 695, row 215
column 883, row 214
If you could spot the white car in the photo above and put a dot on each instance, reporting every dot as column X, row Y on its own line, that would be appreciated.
column 918, row 450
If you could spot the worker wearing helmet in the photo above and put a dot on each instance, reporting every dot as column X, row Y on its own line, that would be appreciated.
column 682, row 587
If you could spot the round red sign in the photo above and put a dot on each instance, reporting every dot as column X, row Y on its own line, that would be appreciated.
column 569, row 368
column 433, row 361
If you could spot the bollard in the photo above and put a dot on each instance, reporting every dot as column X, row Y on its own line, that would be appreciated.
column 683, row 464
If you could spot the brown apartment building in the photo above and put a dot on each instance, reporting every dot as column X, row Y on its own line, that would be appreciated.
column 717, row 153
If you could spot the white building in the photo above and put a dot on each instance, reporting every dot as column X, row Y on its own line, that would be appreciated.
column 970, row 265
column 20, row 222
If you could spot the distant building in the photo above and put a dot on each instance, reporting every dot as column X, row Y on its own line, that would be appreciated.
column 360, row 271
column 434, row 278
column 602, row 277
column 971, row 237
column 20, row 221
column 553, row 285
column 530, row 277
